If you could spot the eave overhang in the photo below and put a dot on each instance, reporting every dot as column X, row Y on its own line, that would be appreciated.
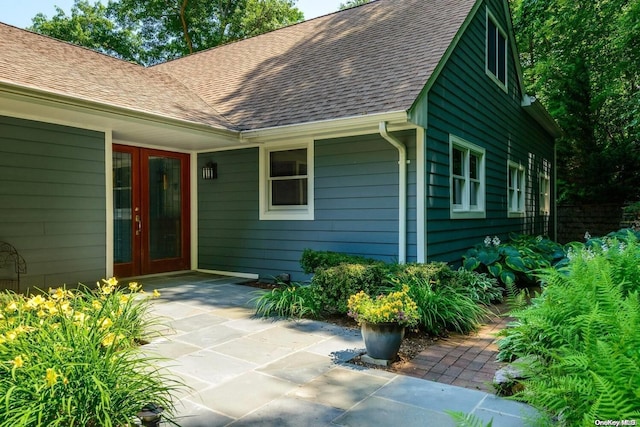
column 535, row 109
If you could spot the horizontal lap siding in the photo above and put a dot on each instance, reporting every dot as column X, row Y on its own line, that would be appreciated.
column 52, row 198
column 466, row 103
column 356, row 209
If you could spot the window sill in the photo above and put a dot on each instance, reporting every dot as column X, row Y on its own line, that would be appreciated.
column 516, row 214
column 468, row 214
column 293, row 215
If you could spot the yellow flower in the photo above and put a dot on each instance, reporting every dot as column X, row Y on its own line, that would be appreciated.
column 11, row 335
column 105, row 323
column 50, row 306
column 156, row 293
column 80, row 317
column 51, row 377
column 18, row 361
column 111, row 338
column 134, row 286
column 34, row 302
column 11, row 307
column 124, row 299
column 57, row 293
column 97, row 305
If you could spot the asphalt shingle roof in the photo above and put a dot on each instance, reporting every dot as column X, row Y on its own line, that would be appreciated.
column 34, row 61
column 370, row 59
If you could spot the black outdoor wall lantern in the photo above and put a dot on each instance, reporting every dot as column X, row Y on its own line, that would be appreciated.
column 210, row 171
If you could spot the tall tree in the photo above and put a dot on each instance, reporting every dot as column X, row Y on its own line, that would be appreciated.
column 353, row 3
column 89, row 26
column 582, row 59
column 174, row 28
column 153, row 31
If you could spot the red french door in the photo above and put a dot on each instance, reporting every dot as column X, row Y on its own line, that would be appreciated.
column 151, row 211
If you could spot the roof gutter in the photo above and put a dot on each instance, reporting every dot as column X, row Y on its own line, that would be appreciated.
column 346, row 126
column 402, row 190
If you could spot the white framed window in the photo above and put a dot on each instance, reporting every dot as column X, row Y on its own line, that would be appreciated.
column 286, row 182
column 544, row 186
column 467, row 172
column 496, row 52
column 516, row 189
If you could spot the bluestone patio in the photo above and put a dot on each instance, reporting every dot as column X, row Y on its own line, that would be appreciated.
column 243, row 370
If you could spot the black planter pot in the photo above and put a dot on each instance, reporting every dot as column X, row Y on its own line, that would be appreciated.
column 382, row 340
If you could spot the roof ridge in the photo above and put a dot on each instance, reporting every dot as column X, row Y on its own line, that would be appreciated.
column 87, row 49
column 234, row 42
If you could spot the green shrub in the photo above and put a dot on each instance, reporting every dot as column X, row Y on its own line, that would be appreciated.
column 443, row 308
column 333, row 286
column 480, row 287
column 584, row 333
column 515, row 261
column 293, row 300
column 311, row 260
column 72, row 358
column 437, row 273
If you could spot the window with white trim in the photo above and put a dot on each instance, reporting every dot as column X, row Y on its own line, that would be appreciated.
column 496, row 52
column 286, row 182
column 516, row 189
column 467, row 179
column 545, row 194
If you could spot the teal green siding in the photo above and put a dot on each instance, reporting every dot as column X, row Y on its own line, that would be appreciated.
column 467, row 103
column 356, row 209
column 52, row 198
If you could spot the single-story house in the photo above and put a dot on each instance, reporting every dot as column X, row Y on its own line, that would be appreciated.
column 398, row 130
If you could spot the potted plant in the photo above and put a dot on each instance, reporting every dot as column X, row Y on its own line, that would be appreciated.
column 383, row 320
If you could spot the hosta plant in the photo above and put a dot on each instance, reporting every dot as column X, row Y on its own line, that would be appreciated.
column 73, row 358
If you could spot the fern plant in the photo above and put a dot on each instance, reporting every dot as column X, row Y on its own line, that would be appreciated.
column 584, row 331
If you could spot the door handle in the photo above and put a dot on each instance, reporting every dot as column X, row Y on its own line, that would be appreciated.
column 138, row 225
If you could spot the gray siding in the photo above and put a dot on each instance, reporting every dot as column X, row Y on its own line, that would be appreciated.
column 466, row 103
column 356, row 209
column 52, row 198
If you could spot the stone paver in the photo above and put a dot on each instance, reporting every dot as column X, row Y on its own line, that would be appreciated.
column 247, row 371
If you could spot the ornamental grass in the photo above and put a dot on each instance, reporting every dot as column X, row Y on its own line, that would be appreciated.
column 73, row 358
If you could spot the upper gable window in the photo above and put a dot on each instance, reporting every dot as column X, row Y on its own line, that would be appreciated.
column 496, row 52
column 286, row 177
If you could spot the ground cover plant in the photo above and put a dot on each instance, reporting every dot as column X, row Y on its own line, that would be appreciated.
column 72, row 358
column 581, row 336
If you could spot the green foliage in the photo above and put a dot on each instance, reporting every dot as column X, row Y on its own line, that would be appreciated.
column 584, row 333
column 443, row 308
column 311, row 260
column 72, row 358
column 515, row 261
column 153, row 31
column 293, row 300
column 480, row 287
column 352, row 3
column 581, row 60
column 333, row 286
column 467, row 420
column 89, row 26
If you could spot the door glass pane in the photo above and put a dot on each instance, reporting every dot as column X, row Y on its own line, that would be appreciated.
column 164, row 208
column 122, row 202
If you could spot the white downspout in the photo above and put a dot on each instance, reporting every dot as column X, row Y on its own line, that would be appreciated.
column 402, row 191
